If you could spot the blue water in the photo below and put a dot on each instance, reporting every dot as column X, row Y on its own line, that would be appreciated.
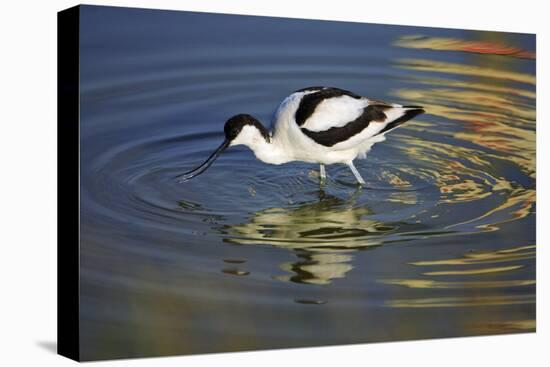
column 250, row 256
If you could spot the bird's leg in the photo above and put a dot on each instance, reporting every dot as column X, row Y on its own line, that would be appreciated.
column 322, row 173
column 358, row 177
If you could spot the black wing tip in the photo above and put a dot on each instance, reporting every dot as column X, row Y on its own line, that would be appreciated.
column 413, row 111
column 410, row 113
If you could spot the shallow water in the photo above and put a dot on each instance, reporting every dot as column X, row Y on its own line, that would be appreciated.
column 246, row 256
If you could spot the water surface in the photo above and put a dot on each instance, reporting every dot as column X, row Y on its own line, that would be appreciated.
column 441, row 243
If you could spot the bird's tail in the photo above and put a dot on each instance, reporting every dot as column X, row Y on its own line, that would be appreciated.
column 398, row 115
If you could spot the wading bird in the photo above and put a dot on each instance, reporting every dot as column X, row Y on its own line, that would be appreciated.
column 320, row 125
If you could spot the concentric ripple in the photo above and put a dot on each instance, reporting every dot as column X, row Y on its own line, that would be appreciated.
column 415, row 181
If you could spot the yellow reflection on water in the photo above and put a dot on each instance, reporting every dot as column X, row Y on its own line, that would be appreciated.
column 435, row 284
column 489, row 130
column 509, row 326
column 489, row 121
column 465, row 69
column 403, row 197
column 499, row 300
column 473, row 258
column 455, row 44
column 479, row 106
column 488, row 107
column 474, row 271
column 456, row 181
column 395, row 180
column 471, row 84
column 470, row 273
column 518, row 204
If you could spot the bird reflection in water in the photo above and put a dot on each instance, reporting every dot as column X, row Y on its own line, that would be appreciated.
column 323, row 235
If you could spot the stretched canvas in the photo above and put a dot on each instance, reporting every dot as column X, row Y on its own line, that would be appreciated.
column 439, row 240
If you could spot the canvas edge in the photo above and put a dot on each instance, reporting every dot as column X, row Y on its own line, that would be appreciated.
column 68, row 183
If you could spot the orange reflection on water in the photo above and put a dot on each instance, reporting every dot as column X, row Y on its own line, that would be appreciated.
column 455, row 44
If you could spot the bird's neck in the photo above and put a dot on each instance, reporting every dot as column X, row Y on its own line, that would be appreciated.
column 269, row 151
column 266, row 149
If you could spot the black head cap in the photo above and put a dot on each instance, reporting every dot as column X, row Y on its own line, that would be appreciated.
column 235, row 124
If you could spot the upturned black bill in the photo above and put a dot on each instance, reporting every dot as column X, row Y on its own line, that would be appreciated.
column 200, row 169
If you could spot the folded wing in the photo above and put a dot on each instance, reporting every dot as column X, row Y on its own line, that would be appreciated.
column 344, row 122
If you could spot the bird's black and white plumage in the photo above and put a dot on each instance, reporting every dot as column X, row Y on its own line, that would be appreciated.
column 317, row 125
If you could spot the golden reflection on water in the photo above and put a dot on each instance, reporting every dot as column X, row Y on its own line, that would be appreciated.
column 463, row 301
column 456, row 44
column 466, row 267
column 435, row 284
column 479, row 106
column 490, row 257
column 492, row 105
column 462, row 69
column 471, row 84
column 509, row 326
column 500, row 125
column 457, row 181
column 474, row 271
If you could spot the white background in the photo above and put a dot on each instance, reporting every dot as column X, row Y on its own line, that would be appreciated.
column 28, row 183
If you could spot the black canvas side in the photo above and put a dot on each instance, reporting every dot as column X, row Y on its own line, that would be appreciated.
column 68, row 216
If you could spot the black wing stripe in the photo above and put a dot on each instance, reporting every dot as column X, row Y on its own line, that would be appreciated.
column 335, row 135
column 309, row 102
